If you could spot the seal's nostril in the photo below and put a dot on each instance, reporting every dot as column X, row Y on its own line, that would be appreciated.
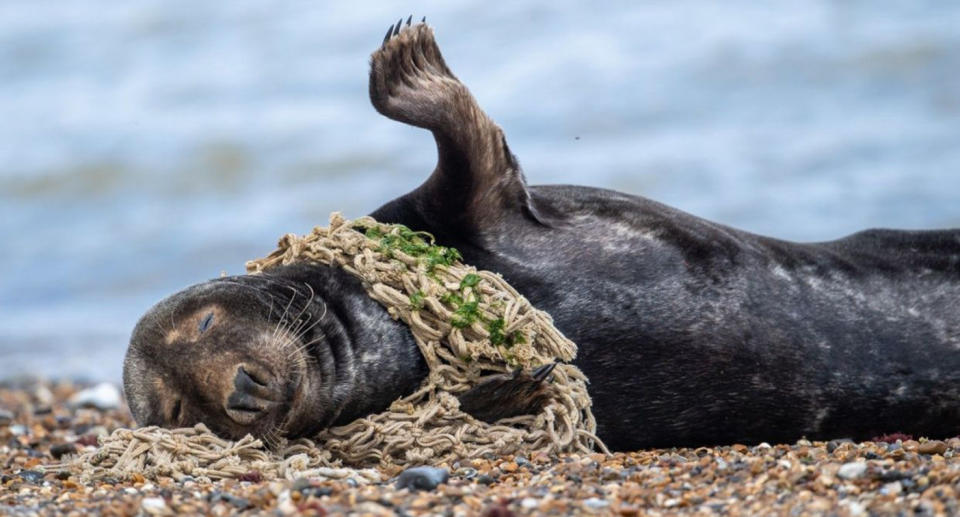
column 246, row 381
column 251, row 399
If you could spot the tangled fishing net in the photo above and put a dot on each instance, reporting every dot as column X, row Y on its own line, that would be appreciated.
column 468, row 324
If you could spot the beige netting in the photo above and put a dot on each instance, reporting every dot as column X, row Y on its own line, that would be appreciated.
column 469, row 324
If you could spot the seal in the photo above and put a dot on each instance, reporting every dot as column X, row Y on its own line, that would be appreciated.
column 691, row 332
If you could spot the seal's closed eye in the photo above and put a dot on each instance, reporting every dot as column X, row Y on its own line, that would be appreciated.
column 206, row 322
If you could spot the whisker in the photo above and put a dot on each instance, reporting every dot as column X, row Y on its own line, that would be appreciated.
column 282, row 316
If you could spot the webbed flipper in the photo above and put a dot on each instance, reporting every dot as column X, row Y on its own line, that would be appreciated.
column 477, row 179
column 509, row 395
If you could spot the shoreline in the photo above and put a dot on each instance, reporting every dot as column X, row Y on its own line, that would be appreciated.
column 38, row 428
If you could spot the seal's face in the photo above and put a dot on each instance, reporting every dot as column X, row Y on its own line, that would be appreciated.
column 237, row 353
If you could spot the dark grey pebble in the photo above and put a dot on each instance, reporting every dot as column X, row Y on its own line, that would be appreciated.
column 894, row 446
column 832, row 445
column 300, row 485
column 43, row 410
column 32, row 476
column 422, row 478
column 236, row 501
column 5, row 417
column 61, row 449
column 241, row 503
column 892, row 475
column 319, row 491
column 485, row 479
column 305, row 487
column 521, row 461
column 63, row 475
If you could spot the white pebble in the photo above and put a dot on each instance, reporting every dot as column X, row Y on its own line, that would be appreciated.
column 855, row 508
column 102, row 396
column 285, row 504
column 892, row 488
column 852, row 470
column 529, row 503
column 595, row 503
column 153, row 505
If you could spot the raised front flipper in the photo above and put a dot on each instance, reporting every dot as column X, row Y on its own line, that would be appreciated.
column 477, row 179
column 509, row 395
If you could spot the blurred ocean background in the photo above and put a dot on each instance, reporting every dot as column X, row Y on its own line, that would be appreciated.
column 149, row 145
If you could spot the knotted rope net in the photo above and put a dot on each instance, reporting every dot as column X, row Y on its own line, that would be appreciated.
column 468, row 324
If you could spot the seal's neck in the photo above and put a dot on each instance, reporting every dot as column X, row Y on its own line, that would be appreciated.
column 367, row 358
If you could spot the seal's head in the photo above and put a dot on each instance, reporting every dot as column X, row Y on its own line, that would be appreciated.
column 242, row 354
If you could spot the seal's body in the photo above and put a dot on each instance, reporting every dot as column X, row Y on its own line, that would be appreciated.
column 689, row 331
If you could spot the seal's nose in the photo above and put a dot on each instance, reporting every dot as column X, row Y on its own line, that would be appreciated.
column 251, row 398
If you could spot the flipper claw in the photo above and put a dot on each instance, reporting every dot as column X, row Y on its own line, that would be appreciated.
column 541, row 373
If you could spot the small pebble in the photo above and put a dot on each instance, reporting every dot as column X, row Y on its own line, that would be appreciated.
column 153, row 505
column 43, row 395
column 103, row 396
column 485, row 479
column 892, row 488
column 32, row 476
column 5, row 417
column 595, row 503
column 466, row 472
column 932, row 447
column 300, row 485
column 852, row 470
column 240, row 503
column 422, row 478
column 61, row 449
column 832, row 445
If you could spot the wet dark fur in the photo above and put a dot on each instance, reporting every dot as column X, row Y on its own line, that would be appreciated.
column 690, row 332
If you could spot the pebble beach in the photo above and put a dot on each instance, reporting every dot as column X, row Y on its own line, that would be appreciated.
column 43, row 425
